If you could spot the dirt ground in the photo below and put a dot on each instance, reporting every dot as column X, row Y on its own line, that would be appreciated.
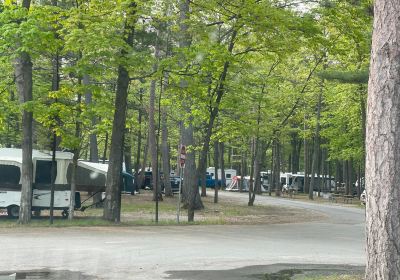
column 227, row 211
column 140, row 209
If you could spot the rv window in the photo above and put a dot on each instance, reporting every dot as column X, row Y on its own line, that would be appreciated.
column 9, row 174
column 87, row 177
column 228, row 176
column 43, row 172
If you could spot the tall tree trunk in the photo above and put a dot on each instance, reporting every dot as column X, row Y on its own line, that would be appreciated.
column 153, row 143
column 112, row 203
column 216, row 164
column 152, row 139
column 383, row 146
column 165, row 153
column 23, row 80
column 190, row 179
column 316, row 148
column 277, row 167
column 306, row 160
column 93, row 147
column 138, row 143
column 251, row 181
column 214, row 110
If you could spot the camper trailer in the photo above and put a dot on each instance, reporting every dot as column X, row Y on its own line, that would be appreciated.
column 239, row 183
column 90, row 177
column 229, row 174
column 10, row 181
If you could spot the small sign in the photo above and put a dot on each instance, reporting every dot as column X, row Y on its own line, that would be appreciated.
column 182, row 156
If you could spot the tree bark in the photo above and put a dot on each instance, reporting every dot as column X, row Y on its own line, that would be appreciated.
column 165, row 153
column 214, row 110
column 136, row 184
column 190, row 186
column 153, row 140
column 316, row 148
column 23, row 79
column 277, row 167
column 383, row 146
column 112, row 203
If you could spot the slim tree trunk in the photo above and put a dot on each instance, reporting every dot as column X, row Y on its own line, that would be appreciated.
column 75, row 158
column 139, row 144
column 152, row 139
column 93, row 147
column 383, row 146
column 277, row 168
column 23, row 80
column 190, row 179
column 165, row 153
column 316, row 148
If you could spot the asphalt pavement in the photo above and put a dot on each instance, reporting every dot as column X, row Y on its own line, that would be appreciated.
column 189, row 252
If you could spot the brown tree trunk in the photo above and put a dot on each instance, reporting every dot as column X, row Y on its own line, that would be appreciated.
column 316, row 149
column 23, row 79
column 383, row 146
column 152, row 140
column 190, row 186
column 112, row 203
column 75, row 158
column 136, row 184
column 165, row 153
column 277, row 167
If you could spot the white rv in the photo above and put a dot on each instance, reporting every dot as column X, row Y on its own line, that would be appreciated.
column 229, row 174
column 10, row 181
column 90, row 177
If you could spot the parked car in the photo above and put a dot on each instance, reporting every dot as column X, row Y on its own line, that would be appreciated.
column 210, row 182
column 174, row 180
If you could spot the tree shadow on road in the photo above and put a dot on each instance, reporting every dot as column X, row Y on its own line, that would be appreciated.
column 269, row 272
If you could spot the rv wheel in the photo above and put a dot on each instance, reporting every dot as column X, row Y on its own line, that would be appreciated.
column 13, row 211
column 65, row 214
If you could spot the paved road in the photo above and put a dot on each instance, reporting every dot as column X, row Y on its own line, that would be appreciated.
column 170, row 252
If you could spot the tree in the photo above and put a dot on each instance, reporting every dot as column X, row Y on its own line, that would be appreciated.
column 112, row 204
column 383, row 157
column 23, row 78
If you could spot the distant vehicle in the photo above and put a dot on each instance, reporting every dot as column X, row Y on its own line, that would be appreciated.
column 174, row 180
column 235, row 186
column 210, row 182
column 229, row 174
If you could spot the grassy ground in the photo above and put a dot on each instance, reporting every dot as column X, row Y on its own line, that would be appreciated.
column 140, row 210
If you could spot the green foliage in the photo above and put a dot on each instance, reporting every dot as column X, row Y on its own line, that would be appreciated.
column 267, row 59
